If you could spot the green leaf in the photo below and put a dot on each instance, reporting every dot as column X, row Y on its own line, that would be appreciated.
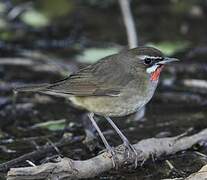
column 54, row 125
column 2, row 7
column 92, row 55
column 35, row 18
column 54, row 8
column 169, row 48
column 3, row 24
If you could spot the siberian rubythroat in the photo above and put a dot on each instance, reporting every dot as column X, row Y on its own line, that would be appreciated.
column 117, row 85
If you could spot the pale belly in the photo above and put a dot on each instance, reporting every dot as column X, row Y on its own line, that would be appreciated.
column 125, row 104
column 107, row 106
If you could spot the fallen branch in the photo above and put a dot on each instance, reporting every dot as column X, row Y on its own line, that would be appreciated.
column 67, row 168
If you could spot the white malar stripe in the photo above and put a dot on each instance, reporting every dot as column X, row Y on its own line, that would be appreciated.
column 152, row 69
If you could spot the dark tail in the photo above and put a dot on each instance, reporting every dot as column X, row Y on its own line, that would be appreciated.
column 31, row 88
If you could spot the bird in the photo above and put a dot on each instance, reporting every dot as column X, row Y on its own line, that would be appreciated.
column 115, row 86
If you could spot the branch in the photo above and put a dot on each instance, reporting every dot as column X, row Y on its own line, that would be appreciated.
column 129, row 23
column 75, row 169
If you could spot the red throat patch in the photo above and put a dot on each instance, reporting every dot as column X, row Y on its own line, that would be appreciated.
column 155, row 75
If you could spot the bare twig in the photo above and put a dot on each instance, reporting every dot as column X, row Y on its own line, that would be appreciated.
column 39, row 66
column 129, row 23
column 73, row 169
column 37, row 154
column 200, row 175
column 198, row 83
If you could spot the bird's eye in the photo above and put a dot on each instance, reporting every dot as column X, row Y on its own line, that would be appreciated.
column 147, row 61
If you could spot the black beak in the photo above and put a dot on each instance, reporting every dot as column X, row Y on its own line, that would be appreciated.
column 166, row 60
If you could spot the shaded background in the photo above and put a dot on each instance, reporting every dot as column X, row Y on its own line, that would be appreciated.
column 45, row 40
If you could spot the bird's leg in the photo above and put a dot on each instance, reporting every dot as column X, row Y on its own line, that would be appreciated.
column 124, row 139
column 108, row 147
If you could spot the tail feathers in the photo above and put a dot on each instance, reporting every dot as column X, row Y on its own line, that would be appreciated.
column 31, row 88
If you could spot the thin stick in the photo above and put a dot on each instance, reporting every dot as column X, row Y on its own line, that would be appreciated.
column 129, row 23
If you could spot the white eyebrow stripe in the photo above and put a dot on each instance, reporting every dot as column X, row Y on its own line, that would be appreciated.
column 151, row 57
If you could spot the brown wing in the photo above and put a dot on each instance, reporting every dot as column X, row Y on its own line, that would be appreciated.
column 104, row 78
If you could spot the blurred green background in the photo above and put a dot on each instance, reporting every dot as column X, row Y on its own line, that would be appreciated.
column 171, row 25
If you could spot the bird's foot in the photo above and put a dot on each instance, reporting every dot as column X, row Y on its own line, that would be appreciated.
column 113, row 157
column 130, row 148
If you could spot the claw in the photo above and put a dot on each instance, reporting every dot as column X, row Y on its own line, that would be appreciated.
column 113, row 157
column 132, row 149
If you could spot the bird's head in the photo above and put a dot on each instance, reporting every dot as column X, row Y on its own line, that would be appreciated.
column 151, row 60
